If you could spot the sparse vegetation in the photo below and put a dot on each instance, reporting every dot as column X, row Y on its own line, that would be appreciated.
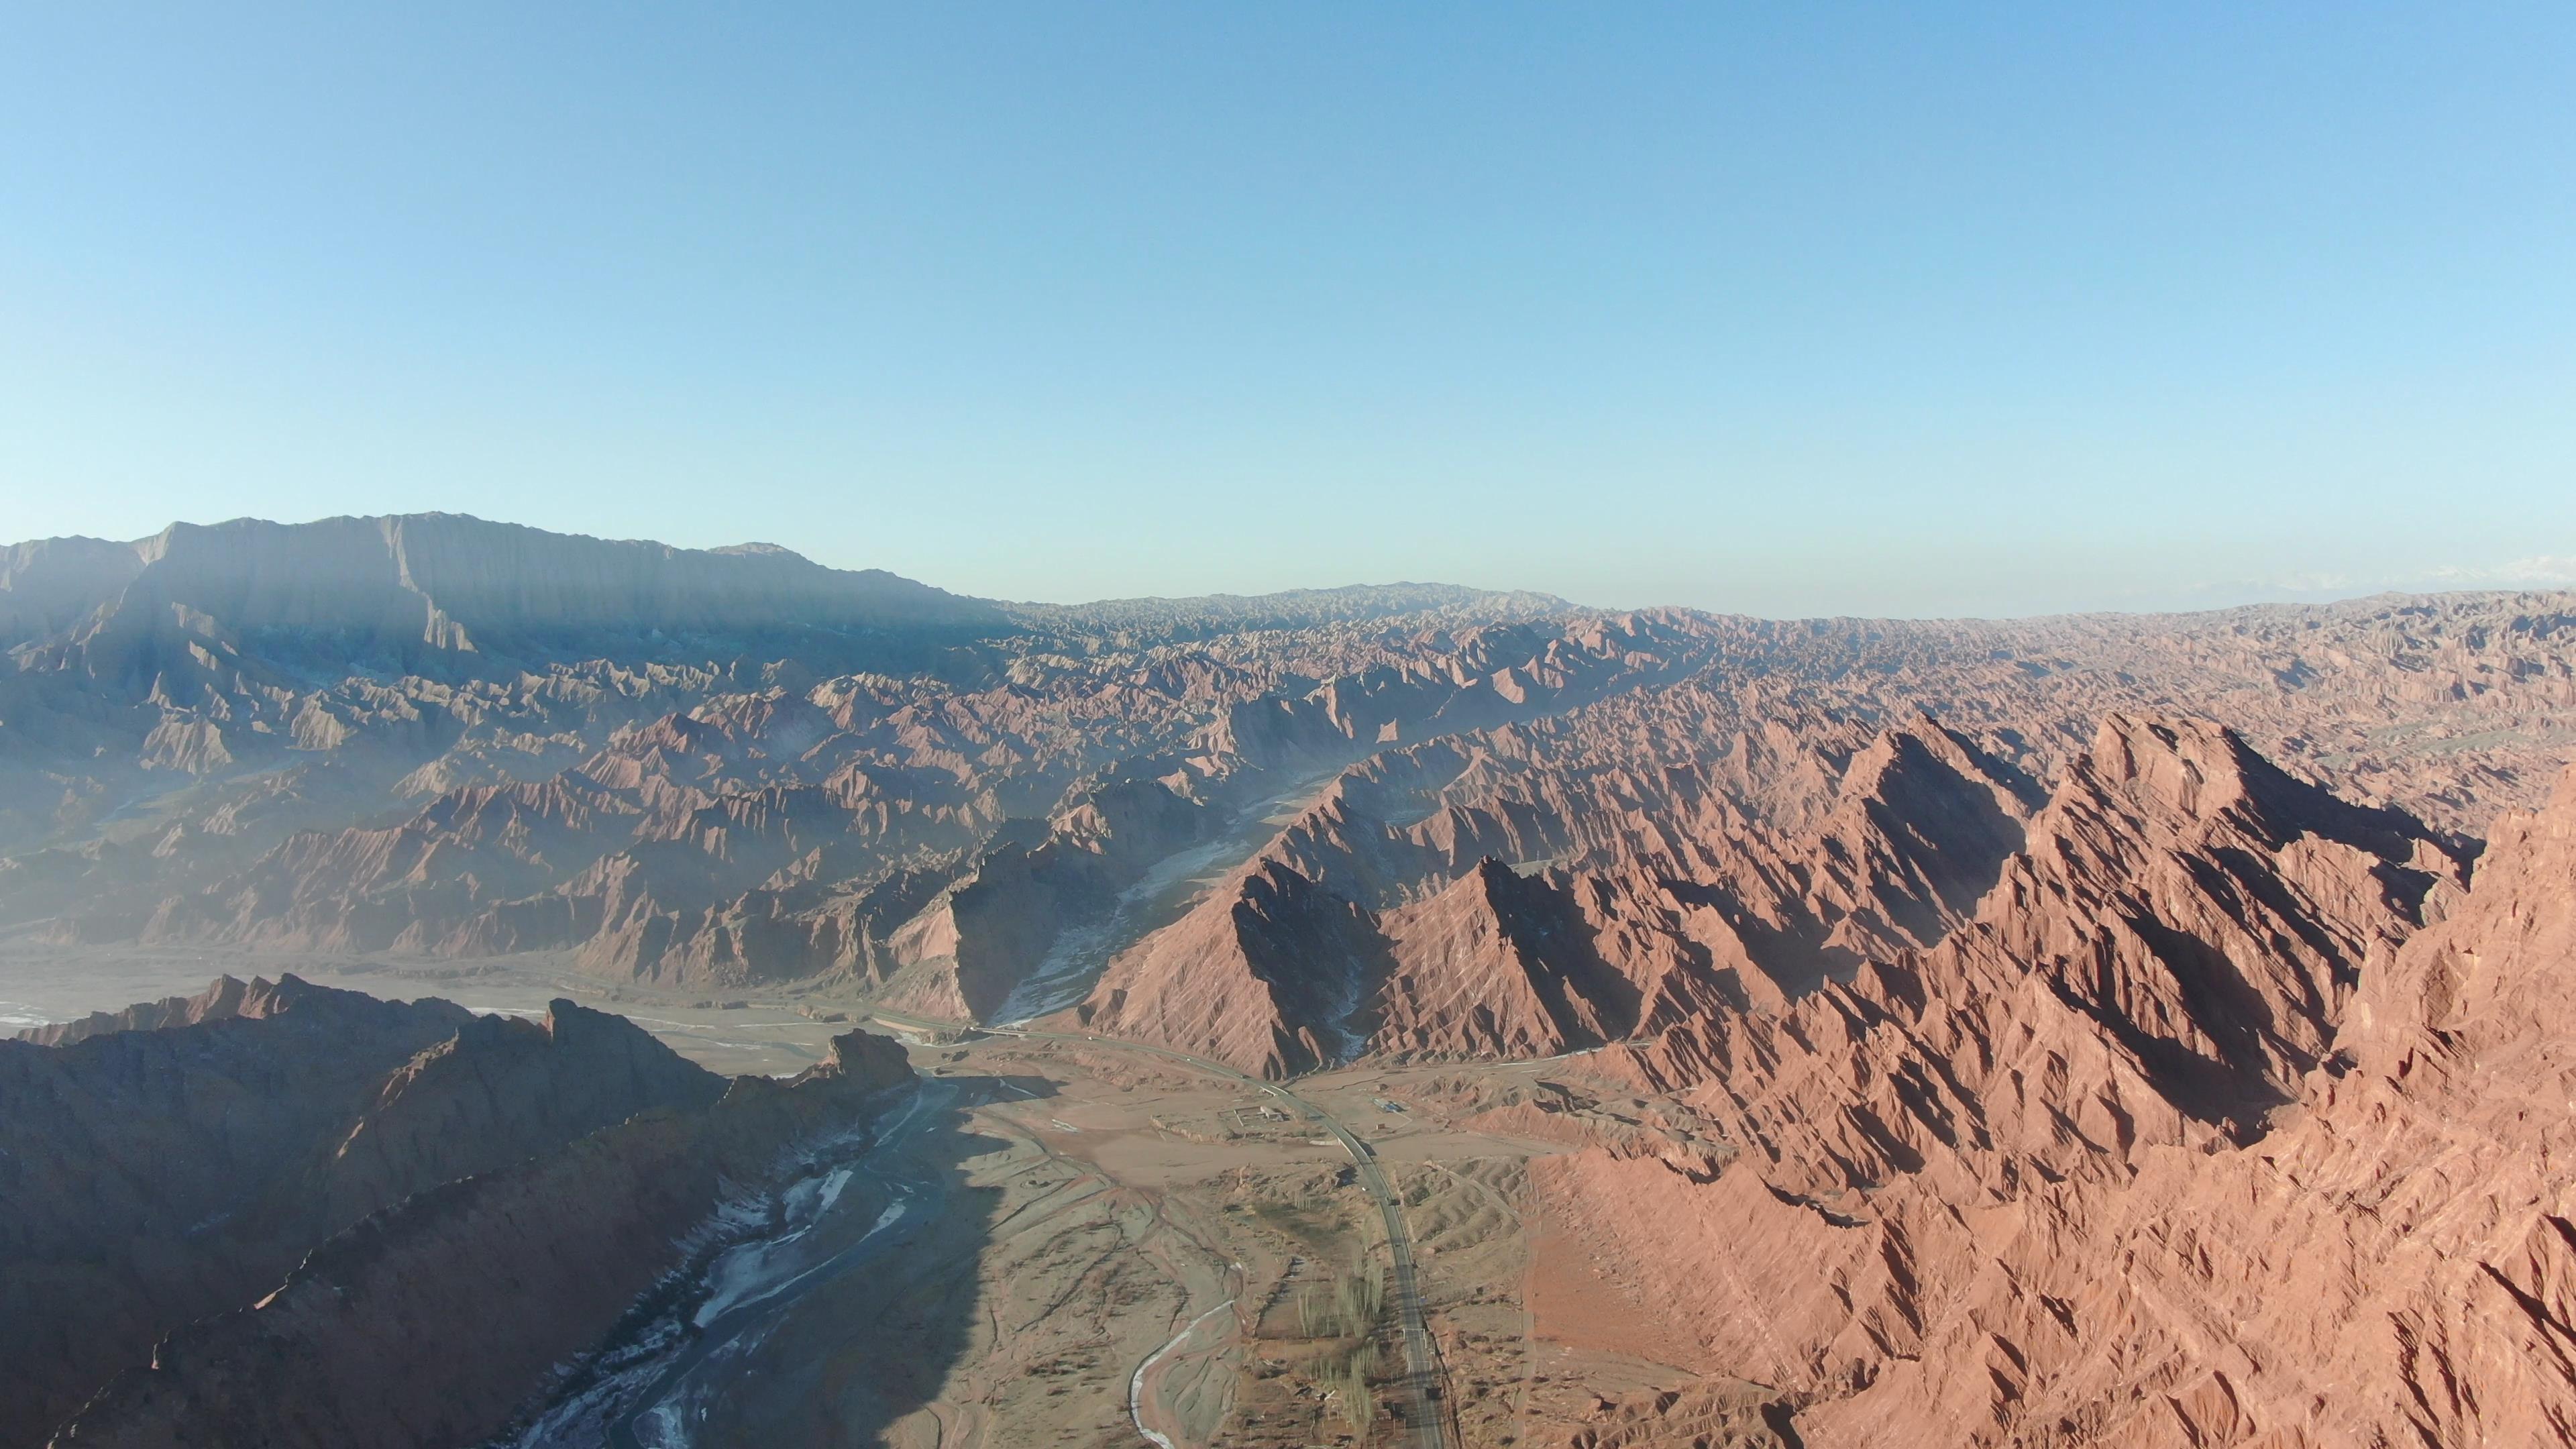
column 1349, row 1308
column 1346, row 1378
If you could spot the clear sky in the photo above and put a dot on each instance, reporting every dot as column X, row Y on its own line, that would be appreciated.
column 1790, row 309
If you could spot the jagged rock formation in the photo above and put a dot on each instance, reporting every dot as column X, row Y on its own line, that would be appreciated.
column 2125, row 1160
column 2385, row 1265
column 1496, row 965
column 155, row 1176
column 2104, row 1040
column 435, row 736
column 1686, row 897
column 1262, row 976
column 184, row 1159
column 228, row 999
column 427, row 1324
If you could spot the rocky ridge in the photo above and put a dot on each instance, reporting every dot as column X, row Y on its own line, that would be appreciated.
column 1706, row 901
column 563, row 1243
column 724, row 795
column 176, row 1162
column 2115, row 1162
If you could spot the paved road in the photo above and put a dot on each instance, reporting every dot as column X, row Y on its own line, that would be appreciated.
column 1422, row 1408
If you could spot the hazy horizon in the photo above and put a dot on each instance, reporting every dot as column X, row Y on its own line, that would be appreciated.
column 1793, row 314
column 2532, row 574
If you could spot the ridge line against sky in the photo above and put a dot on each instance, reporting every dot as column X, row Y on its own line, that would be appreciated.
column 2021, row 310
column 2538, row 573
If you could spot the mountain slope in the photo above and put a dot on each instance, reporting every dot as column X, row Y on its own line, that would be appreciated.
column 1930, row 1151
column 159, row 1173
column 2389, row 1265
column 1684, row 902
column 427, row 1324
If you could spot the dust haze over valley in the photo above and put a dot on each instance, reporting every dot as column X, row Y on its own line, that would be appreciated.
column 485, row 986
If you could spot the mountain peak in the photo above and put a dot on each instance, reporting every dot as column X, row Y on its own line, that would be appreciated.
column 2191, row 767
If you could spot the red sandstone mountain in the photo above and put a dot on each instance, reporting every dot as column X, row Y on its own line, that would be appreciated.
column 1974, row 1180
column 1264, row 976
column 1383, row 934
column 2223, row 1116
column 2385, row 1265
column 700, row 769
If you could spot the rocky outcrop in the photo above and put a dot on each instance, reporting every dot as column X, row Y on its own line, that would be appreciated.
column 1496, row 674
column 2211, row 910
column 1496, row 966
column 2387, row 1265
column 499, row 1090
column 154, row 1175
column 1974, row 1179
column 1265, row 975
column 1686, row 904
column 229, row 998
column 182, row 1164
column 427, row 1324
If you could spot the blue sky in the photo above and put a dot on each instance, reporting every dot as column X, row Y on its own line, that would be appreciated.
column 1784, row 309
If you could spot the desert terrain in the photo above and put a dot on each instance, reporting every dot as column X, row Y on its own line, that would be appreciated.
column 1125, row 1247
column 847, row 1012
column 1071, row 1241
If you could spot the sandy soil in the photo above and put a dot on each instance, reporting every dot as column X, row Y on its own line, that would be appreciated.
column 1138, row 1253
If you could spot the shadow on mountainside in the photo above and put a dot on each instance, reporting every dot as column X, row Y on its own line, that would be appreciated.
column 864, row 1349
column 835, row 1309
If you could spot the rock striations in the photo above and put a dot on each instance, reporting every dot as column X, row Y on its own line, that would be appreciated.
column 2136, row 1156
column 1402, row 930
column 2385, row 1264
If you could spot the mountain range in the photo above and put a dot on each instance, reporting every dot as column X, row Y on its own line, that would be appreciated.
column 2122, row 1029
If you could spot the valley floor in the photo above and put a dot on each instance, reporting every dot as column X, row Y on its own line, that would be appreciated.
column 1118, row 1247
column 1141, row 1250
